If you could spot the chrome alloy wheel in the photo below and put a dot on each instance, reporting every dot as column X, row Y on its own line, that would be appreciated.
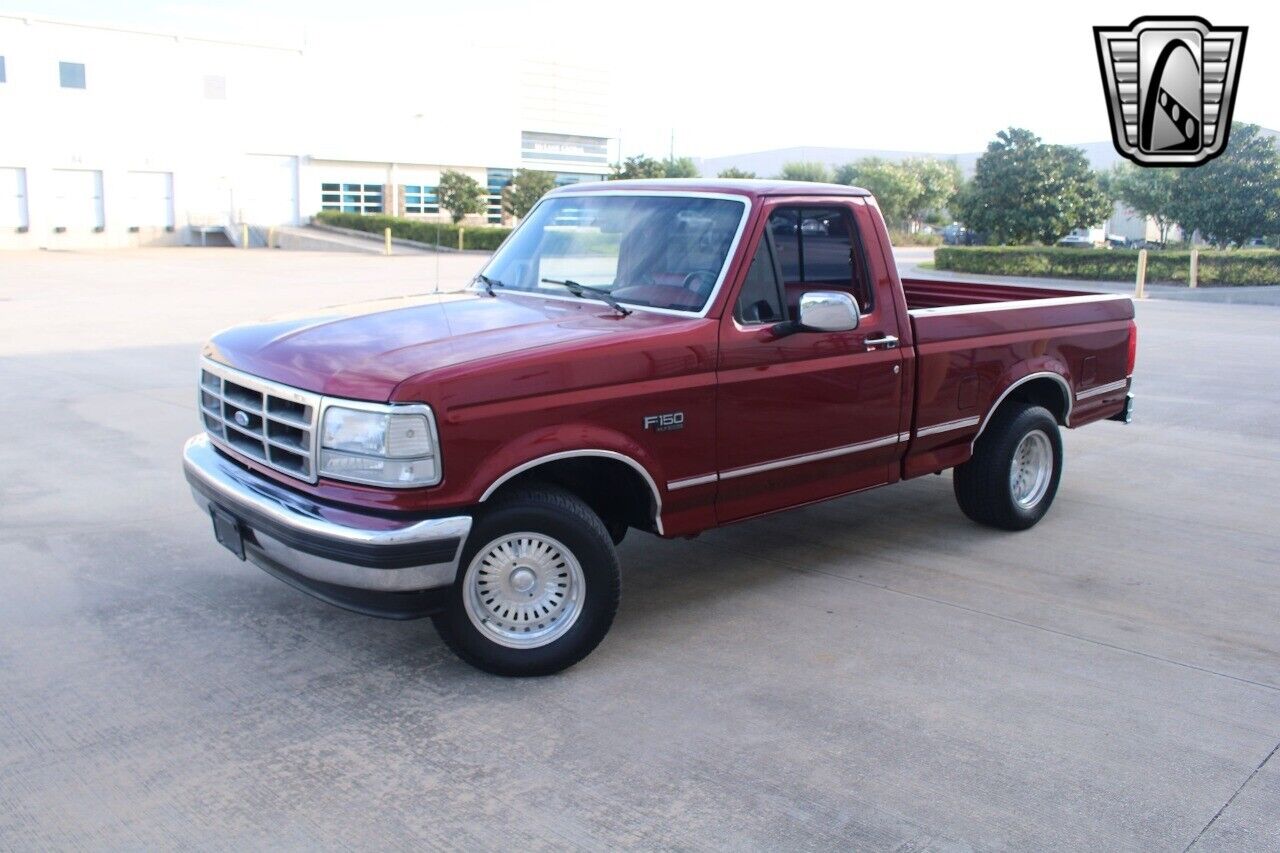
column 523, row 590
column 1032, row 469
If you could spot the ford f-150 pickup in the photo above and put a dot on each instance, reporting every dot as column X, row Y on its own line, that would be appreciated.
column 669, row 356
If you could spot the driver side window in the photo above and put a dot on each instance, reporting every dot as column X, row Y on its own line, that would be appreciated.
column 760, row 300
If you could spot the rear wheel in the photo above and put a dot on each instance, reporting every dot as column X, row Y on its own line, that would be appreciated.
column 1013, row 475
column 537, row 586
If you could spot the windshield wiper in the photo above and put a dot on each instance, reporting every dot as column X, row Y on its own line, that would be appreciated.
column 489, row 283
column 581, row 291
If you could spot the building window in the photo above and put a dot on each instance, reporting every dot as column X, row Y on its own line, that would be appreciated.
column 215, row 87
column 420, row 199
column 3, row 79
column 71, row 75
column 498, row 180
column 351, row 198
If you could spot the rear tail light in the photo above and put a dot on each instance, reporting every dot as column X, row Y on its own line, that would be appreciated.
column 1133, row 347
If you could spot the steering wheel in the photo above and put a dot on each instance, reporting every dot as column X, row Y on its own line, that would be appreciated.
column 692, row 278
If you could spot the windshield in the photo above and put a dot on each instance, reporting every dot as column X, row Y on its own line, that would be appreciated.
column 655, row 251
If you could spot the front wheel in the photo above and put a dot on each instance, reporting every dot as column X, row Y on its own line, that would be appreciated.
column 1013, row 475
column 537, row 586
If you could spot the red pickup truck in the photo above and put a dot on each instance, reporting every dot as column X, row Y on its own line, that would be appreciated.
column 669, row 356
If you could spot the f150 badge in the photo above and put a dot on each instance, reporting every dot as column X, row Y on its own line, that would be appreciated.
column 664, row 422
column 1170, row 86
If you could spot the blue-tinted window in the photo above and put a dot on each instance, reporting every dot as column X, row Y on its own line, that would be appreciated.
column 71, row 75
column 351, row 198
column 420, row 199
column 497, row 181
column 2, row 77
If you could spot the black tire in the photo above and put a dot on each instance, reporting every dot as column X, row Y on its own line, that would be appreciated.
column 562, row 517
column 982, row 485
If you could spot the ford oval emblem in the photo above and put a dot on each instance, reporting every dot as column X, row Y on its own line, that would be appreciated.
column 241, row 418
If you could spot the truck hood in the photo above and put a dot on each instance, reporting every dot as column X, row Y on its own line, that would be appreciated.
column 363, row 351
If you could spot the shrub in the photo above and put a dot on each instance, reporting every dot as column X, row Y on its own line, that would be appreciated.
column 476, row 236
column 918, row 238
column 1233, row 268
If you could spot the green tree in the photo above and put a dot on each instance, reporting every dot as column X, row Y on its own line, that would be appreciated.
column 1147, row 191
column 528, row 185
column 679, row 167
column 1025, row 191
column 638, row 166
column 460, row 194
column 907, row 192
column 735, row 172
column 939, row 181
column 894, row 186
column 810, row 171
column 1236, row 196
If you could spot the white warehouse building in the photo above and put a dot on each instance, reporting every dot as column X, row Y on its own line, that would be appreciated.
column 113, row 138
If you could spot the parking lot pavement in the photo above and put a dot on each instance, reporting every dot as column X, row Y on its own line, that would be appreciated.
column 873, row 672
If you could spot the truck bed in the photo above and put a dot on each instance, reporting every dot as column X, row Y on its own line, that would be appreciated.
column 925, row 293
column 967, row 336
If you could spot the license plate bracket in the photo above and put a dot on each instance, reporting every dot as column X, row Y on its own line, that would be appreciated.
column 227, row 530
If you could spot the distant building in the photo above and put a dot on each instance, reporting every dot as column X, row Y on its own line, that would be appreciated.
column 115, row 137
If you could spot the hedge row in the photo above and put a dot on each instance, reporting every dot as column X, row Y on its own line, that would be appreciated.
column 1220, row 268
column 445, row 233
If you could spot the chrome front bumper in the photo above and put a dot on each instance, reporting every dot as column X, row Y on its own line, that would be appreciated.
column 321, row 548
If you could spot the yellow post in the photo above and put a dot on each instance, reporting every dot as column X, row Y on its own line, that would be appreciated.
column 244, row 236
column 460, row 230
column 1195, row 268
column 271, row 237
column 386, row 239
column 1141, row 291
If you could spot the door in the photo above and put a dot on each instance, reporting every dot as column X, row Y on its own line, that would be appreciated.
column 267, row 193
column 150, row 199
column 78, row 200
column 808, row 415
column 13, row 198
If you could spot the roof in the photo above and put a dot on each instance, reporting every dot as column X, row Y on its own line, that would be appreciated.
column 752, row 188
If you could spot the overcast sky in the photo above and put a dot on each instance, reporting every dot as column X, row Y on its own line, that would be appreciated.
column 728, row 78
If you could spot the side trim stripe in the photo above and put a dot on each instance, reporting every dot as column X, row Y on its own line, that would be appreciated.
column 689, row 482
column 811, row 457
column 949, row 426
column 788, row 462
column 1102, row 389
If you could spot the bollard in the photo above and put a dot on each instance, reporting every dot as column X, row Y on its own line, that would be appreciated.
column 460, row 230
column 1195, row 268
column 386, row 239
column 1140, row 291
column 271, row 237
column 244, row 236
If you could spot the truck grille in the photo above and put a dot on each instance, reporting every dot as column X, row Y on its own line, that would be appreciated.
column 266, row 421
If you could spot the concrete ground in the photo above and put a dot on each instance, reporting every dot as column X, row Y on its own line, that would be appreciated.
column 870, row 673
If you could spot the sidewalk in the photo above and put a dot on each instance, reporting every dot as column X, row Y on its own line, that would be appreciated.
column 909, row 260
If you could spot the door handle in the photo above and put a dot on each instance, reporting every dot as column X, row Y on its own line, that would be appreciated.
column 883, row 341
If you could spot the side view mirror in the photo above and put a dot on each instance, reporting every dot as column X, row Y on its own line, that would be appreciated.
column 822, row 311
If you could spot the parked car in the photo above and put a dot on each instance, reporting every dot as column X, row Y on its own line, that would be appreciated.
column 477, row 457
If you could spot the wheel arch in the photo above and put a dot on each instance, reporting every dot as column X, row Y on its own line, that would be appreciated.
column 1043, row 388
column 583, row 472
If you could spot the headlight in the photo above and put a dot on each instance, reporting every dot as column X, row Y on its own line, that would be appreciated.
column 379, row 445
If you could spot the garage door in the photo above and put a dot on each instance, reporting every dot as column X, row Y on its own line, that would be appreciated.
column 77, row 199
column 150, row 199
column 13, row 198
column 268, row 190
